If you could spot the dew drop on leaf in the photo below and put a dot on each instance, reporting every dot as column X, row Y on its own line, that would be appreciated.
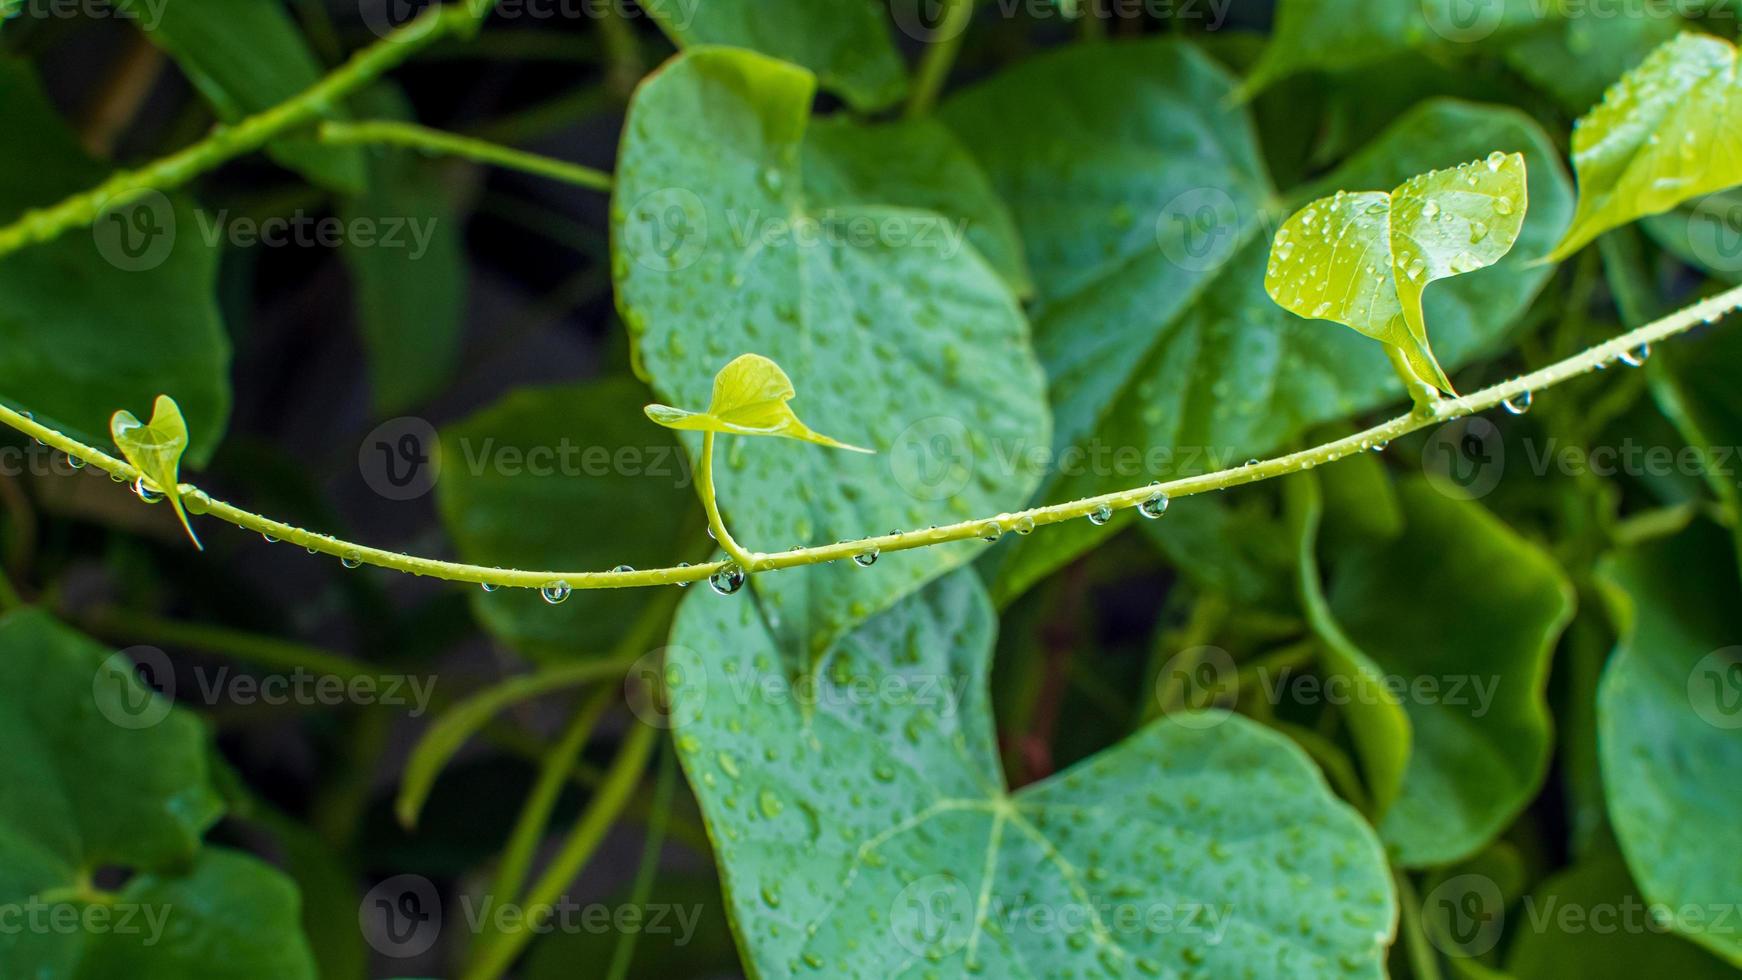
column 1100, row 515
column 1153, row 507
column 727, row 580
column 866, row 558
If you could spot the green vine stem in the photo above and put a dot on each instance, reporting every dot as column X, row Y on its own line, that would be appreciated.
column 377, row 132
column 934, row 66
column 199, row 502
column 228, row 142
column 710, row 502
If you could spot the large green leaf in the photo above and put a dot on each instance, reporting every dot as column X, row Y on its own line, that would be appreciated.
column 1465, row 613
column 863, row 826
column 100, row 772
column 1669, row 728
column 896, row 339
column 570, row 477
column 1333, row 35
column 1145, row 220
column 845, row 42
column 244, row 57
column 410, row 275
column 1663, row 134
column 93, row 323
column 1591, row 922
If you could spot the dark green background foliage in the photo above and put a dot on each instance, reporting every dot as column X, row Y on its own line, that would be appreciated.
column 1467, row 706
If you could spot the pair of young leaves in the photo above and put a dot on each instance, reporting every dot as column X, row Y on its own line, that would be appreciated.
column 1663, row 134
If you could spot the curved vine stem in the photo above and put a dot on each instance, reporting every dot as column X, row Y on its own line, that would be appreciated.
column 392, row 133
column 710, row 502
column 1594, row 358
column 227, row 142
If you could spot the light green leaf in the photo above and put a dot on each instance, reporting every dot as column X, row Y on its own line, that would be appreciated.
column 1476, row 666
column 1669, row 727
column 1334, row 35
column 155, row 449
column 114, row 317
column 1663, row 134
column 863, row 826
column 1596, row 943
column 1363, row 259
column 845, row 42
column 410, row 277
column 750, row 399
column 244, row 57
column 567, row 477
column 913, row 163
column 101, row 772
column 898, row 339
column 1149, row 244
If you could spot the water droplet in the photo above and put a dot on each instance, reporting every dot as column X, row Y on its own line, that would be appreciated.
column 1503, row 205
column 1153, row 507
column 1320, row 310
column 1518, row 404
column 866, row 558
column 75, row 462
column 727, row 580
column 118, row 478
column 1430, row 210
column 487, row 587
column 1637, row 356
column 351, row 559
column 1495, row 160
column 1100, row 515
column 269, row 538
column 1478, row 231
column 991, row 531
column 683, row 564
column 623, row 569
column 555, row 592
column 145, row 493
column 1023, row 525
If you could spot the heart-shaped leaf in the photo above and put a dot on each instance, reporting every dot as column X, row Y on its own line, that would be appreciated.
column 750, row 399
column 1663, row 134
column 1669, row 728
column 899, row 335
column 101, row 772
column 1147, row 222
column 155, row 449
column 1363, row 259
column 863, row 826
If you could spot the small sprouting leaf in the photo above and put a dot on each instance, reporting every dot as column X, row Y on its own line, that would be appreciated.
column 1364, row 259
column 156, row 450
column 750, row 399
column 1660, row 136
